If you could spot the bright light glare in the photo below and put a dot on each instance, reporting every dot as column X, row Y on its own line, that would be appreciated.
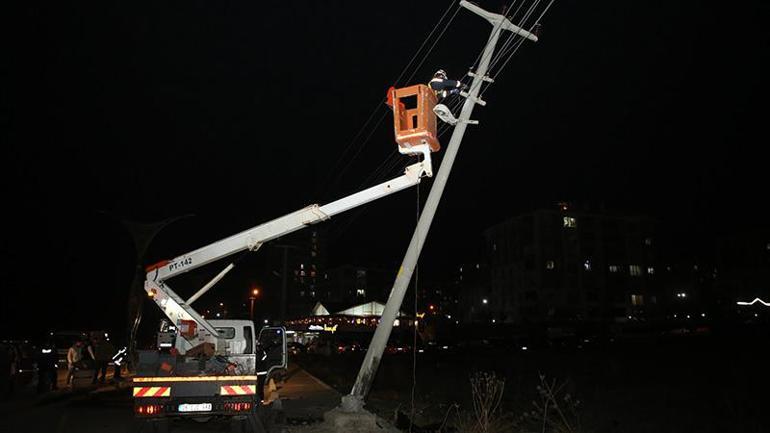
column 766, row 304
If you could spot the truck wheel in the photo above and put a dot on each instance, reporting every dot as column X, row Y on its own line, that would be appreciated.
column 256, row 424
column 162, row 426
column 153, row 426
column 236, row 425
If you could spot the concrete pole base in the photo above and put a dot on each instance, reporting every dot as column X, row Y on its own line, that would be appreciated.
column 352, row 403
column 361, row 421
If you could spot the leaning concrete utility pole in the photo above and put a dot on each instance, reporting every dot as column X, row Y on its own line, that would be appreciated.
column 354, row 401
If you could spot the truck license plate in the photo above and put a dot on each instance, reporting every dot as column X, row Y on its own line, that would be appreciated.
column 199, row 407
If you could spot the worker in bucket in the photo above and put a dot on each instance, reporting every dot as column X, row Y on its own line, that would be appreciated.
column 443, row 87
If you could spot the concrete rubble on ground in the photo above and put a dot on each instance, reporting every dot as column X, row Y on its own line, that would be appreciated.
column 337, row 420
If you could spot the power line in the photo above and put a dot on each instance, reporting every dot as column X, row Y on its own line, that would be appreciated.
column 338, row 177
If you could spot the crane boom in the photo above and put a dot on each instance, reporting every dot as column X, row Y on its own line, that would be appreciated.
column 177, row 309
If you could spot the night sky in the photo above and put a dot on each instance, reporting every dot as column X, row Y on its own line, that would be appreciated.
column 239, row 112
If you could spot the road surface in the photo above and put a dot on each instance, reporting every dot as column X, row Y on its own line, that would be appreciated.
column 108, row 408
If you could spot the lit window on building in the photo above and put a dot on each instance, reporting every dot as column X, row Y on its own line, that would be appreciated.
column 587, row 265
column 570, row 222
column 650, row 270
column 614, row 269
column 637, row 300
column 550, row 264
column 635, row 270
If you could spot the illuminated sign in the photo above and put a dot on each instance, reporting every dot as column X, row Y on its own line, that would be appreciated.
column 327, row 328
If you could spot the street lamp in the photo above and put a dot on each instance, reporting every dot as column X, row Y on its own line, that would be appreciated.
column 252, row 298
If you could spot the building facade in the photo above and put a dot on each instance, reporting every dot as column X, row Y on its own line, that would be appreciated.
column 565, row 265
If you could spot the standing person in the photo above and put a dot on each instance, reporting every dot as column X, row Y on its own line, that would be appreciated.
column 46, row 364
column 118, row 358
column 74, row 356
column 15, row 359
column 89, row 345
column 5, row 370
column 102, row 356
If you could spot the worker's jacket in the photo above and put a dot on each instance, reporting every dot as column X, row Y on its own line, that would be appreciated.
column 440, row 84
column 74, row 355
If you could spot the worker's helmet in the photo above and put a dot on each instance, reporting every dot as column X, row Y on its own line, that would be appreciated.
column 440, row 74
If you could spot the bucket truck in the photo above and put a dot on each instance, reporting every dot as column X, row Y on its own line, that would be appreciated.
column 203, row 368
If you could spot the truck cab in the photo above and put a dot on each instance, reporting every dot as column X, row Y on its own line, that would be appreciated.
column 238, row 335
column 177, row 380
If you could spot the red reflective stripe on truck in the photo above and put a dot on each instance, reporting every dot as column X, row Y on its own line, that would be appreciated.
column 238, row 390
column 152, row 391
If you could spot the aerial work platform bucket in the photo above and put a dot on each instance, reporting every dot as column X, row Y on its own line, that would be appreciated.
column 413, row 118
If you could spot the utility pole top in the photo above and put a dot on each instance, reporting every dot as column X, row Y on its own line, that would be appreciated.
column 498, row 20
column 354, row 402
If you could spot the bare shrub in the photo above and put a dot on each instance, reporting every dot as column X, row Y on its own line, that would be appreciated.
column 555, row 412
column 486, row 417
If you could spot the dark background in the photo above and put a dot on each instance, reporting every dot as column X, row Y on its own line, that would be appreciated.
column 239, row 112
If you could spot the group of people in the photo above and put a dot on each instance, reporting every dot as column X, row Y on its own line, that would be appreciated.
column 95, row 353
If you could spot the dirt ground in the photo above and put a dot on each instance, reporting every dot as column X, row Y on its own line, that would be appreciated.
column 712, row 384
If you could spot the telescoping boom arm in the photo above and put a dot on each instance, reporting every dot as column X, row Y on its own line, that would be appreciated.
column 177, row 309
